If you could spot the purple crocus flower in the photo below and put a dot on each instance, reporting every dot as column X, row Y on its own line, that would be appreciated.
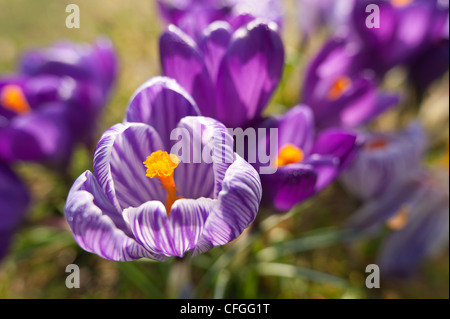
column 407, row 29
column 337, row 93
column 304, row 163
column 54, row 102
column 14, row 201
column 142, row 201
column 385, row 161
column 230, row 75
column 417, row 212
column 194, row 16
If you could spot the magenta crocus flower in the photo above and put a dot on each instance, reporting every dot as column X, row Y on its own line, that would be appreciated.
column 303, row 163
column 406, row 30
column 417, row 213
column 338, row 92
column 14, row 201
column 230, row 75
column 55, row 101
column 194, row 16
column 145, row 199
column 385, row 161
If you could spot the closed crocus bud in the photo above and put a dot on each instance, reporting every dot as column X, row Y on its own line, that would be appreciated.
column 230, row 74
column 338, row 91
column 14, row 201
column 384, row 162
column 165, row 182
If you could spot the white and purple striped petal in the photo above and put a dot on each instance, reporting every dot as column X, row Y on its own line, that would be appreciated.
column 118, row 164
column 171, row 235
column 96, row 225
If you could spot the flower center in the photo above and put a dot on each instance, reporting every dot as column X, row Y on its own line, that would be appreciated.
column 13, row 99
column 340, row 86
column 376, row 144
column 400, row 3
column 400, row 219
column 289, row 154
column 162, row 165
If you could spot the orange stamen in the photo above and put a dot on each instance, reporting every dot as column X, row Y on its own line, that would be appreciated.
column 162, row 165
column 400, row 219
column 13, row 99
column 289, row 154
column 400, row 3
column 339, row 87
column 376, row 144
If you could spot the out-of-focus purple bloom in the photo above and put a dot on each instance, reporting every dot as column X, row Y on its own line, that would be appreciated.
column 384, row 162
column 55, row 101
column 194, row 16
column 121, row 212
column 331, row 14
column 407, row 30
column 418, row 214
column 305, row 163
column 338, row 92
column 14, row 201
column 230, row 75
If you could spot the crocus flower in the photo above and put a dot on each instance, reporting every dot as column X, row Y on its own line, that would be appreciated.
column 417, row 212
column 385, row 161
column 230, row 75
column 193, row 16
column 407, row 29
column 54, row 102
column 14, row 201
column 145, row 199
column 303, row 163
column 338, row 92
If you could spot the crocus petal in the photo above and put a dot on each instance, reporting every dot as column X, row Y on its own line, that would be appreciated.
column 238, row 204
column 341, row 144
column 326, row 168
column 14, row 200
column 249, row 73
column 119, row 168
column 296, row 127
column 182, row 60
column 161, row 103
column 213, row 45
column 88, row 213
column 290, row 185
column 171, row 235
column 200, row 174
column 401, row 253
column 38, row 136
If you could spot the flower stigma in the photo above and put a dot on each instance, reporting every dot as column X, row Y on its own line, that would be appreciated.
column 13, row 99
column 339, row 87
column 289, row 154
column 162, row 165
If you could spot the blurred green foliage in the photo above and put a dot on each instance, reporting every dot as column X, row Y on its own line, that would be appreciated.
column 302, row 254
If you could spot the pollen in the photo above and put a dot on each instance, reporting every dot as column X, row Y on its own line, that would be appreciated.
column 400, row 219
column 13, row 99
column 289, row 154
column 162, row 165
column 339, row 87
column 377, row 144
column 400, row 3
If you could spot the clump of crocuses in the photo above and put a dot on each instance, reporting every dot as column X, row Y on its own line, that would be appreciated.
column 166, row 181
column 54, row 101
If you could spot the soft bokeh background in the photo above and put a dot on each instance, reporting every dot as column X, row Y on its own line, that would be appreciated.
column 303, row 254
